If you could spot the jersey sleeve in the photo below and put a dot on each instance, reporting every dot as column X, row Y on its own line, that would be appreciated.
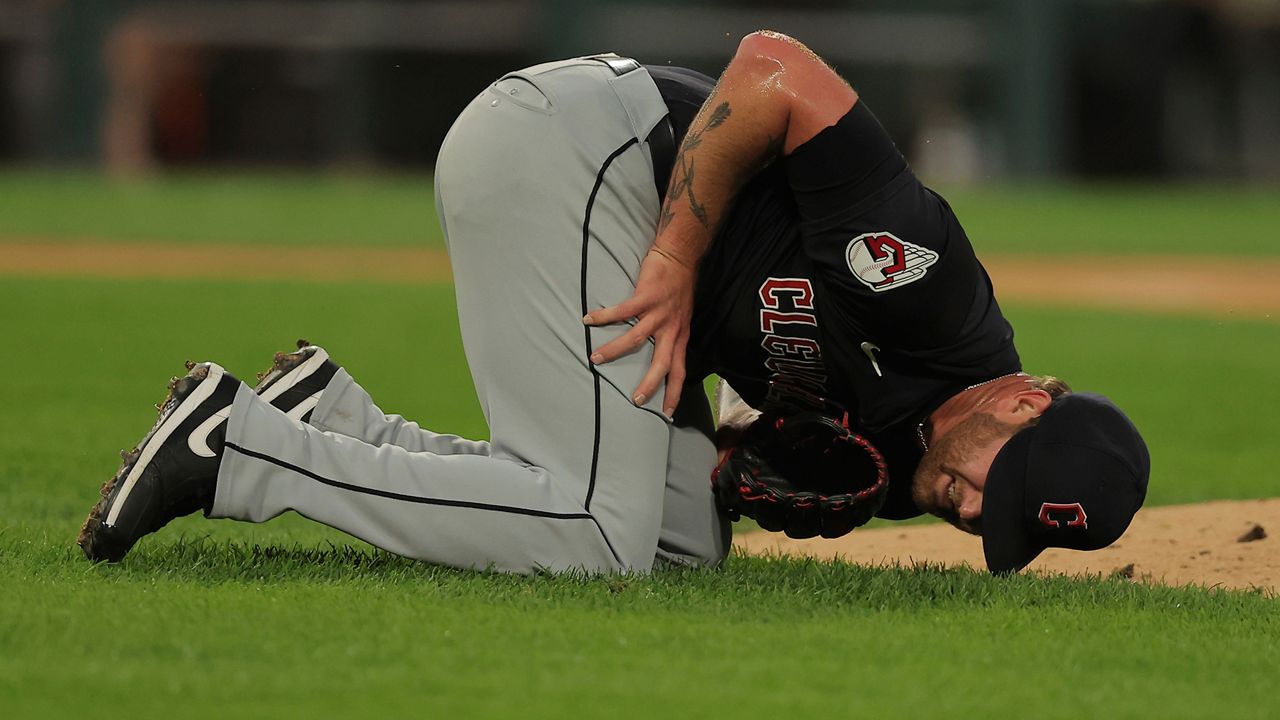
column 846, row 170
column 893, row 261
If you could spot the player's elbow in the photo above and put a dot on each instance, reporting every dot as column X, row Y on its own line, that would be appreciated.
column 773, row 52
column 814, row 96
column 770, row 43
column 768, row 61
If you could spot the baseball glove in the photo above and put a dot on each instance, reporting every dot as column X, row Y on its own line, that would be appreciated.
column 803, row 474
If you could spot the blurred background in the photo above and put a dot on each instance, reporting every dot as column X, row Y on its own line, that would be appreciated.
column 973, row 90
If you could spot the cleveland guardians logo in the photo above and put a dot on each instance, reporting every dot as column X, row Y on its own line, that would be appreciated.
column 884, row 262
column 1057, row 515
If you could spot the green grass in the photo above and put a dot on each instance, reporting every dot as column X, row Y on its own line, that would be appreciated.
column 399, row 211
column 1121, row 219
column 224, row 630
column 281, row 210
column 96, row 353
column 293, row 619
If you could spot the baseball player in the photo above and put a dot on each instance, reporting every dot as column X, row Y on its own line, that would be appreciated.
column 796, row 255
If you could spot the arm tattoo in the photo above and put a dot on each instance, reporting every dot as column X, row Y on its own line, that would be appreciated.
column 683, row 176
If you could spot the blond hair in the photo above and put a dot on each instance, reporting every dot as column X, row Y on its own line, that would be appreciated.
column 1055, row 386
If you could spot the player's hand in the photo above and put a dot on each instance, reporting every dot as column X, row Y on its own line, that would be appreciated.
column 662, row 306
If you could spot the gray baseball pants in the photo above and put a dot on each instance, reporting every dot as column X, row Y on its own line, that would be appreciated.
column 545, row 191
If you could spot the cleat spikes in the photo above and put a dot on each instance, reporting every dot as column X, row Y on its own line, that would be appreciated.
column 190, row 364
column 297, row 377
column 165, row 479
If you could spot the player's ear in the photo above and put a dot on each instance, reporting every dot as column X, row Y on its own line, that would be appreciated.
column 1020, row 406
column 1030, row 403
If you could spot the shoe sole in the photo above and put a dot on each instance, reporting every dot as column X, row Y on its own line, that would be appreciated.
column 184, row 396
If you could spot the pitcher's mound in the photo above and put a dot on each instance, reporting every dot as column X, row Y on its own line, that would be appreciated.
column 1232, row 544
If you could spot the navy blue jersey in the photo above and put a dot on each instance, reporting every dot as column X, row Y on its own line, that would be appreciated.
column 838, row 275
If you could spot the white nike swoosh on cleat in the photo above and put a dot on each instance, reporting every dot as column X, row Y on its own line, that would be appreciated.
column 305, row 406
column 198, row 440
column 202, row 392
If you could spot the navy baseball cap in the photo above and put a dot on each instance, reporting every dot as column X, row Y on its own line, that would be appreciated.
column 1073, row 480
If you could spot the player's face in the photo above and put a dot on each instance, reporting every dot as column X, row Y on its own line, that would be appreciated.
column 951, row 476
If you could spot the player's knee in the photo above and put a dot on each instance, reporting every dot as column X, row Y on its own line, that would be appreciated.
column 709, row 553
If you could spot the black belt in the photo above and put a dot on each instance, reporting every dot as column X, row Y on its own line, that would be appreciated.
column 662, row 150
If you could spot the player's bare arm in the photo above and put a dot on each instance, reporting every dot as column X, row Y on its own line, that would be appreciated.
column 774, row 96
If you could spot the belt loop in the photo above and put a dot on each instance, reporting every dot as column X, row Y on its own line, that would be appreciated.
column 650, row 118
column 619, row 65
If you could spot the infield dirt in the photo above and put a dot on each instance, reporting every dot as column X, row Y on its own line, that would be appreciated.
column 1234, row 544
column 1220, row 287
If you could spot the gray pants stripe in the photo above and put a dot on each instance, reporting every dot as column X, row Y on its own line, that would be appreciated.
column 402, row 497
column 595, row 374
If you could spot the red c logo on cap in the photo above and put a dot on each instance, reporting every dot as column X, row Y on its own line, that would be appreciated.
column 1078, row 518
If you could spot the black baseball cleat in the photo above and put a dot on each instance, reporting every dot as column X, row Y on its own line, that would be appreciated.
column 172, row 472
column 296, row 380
